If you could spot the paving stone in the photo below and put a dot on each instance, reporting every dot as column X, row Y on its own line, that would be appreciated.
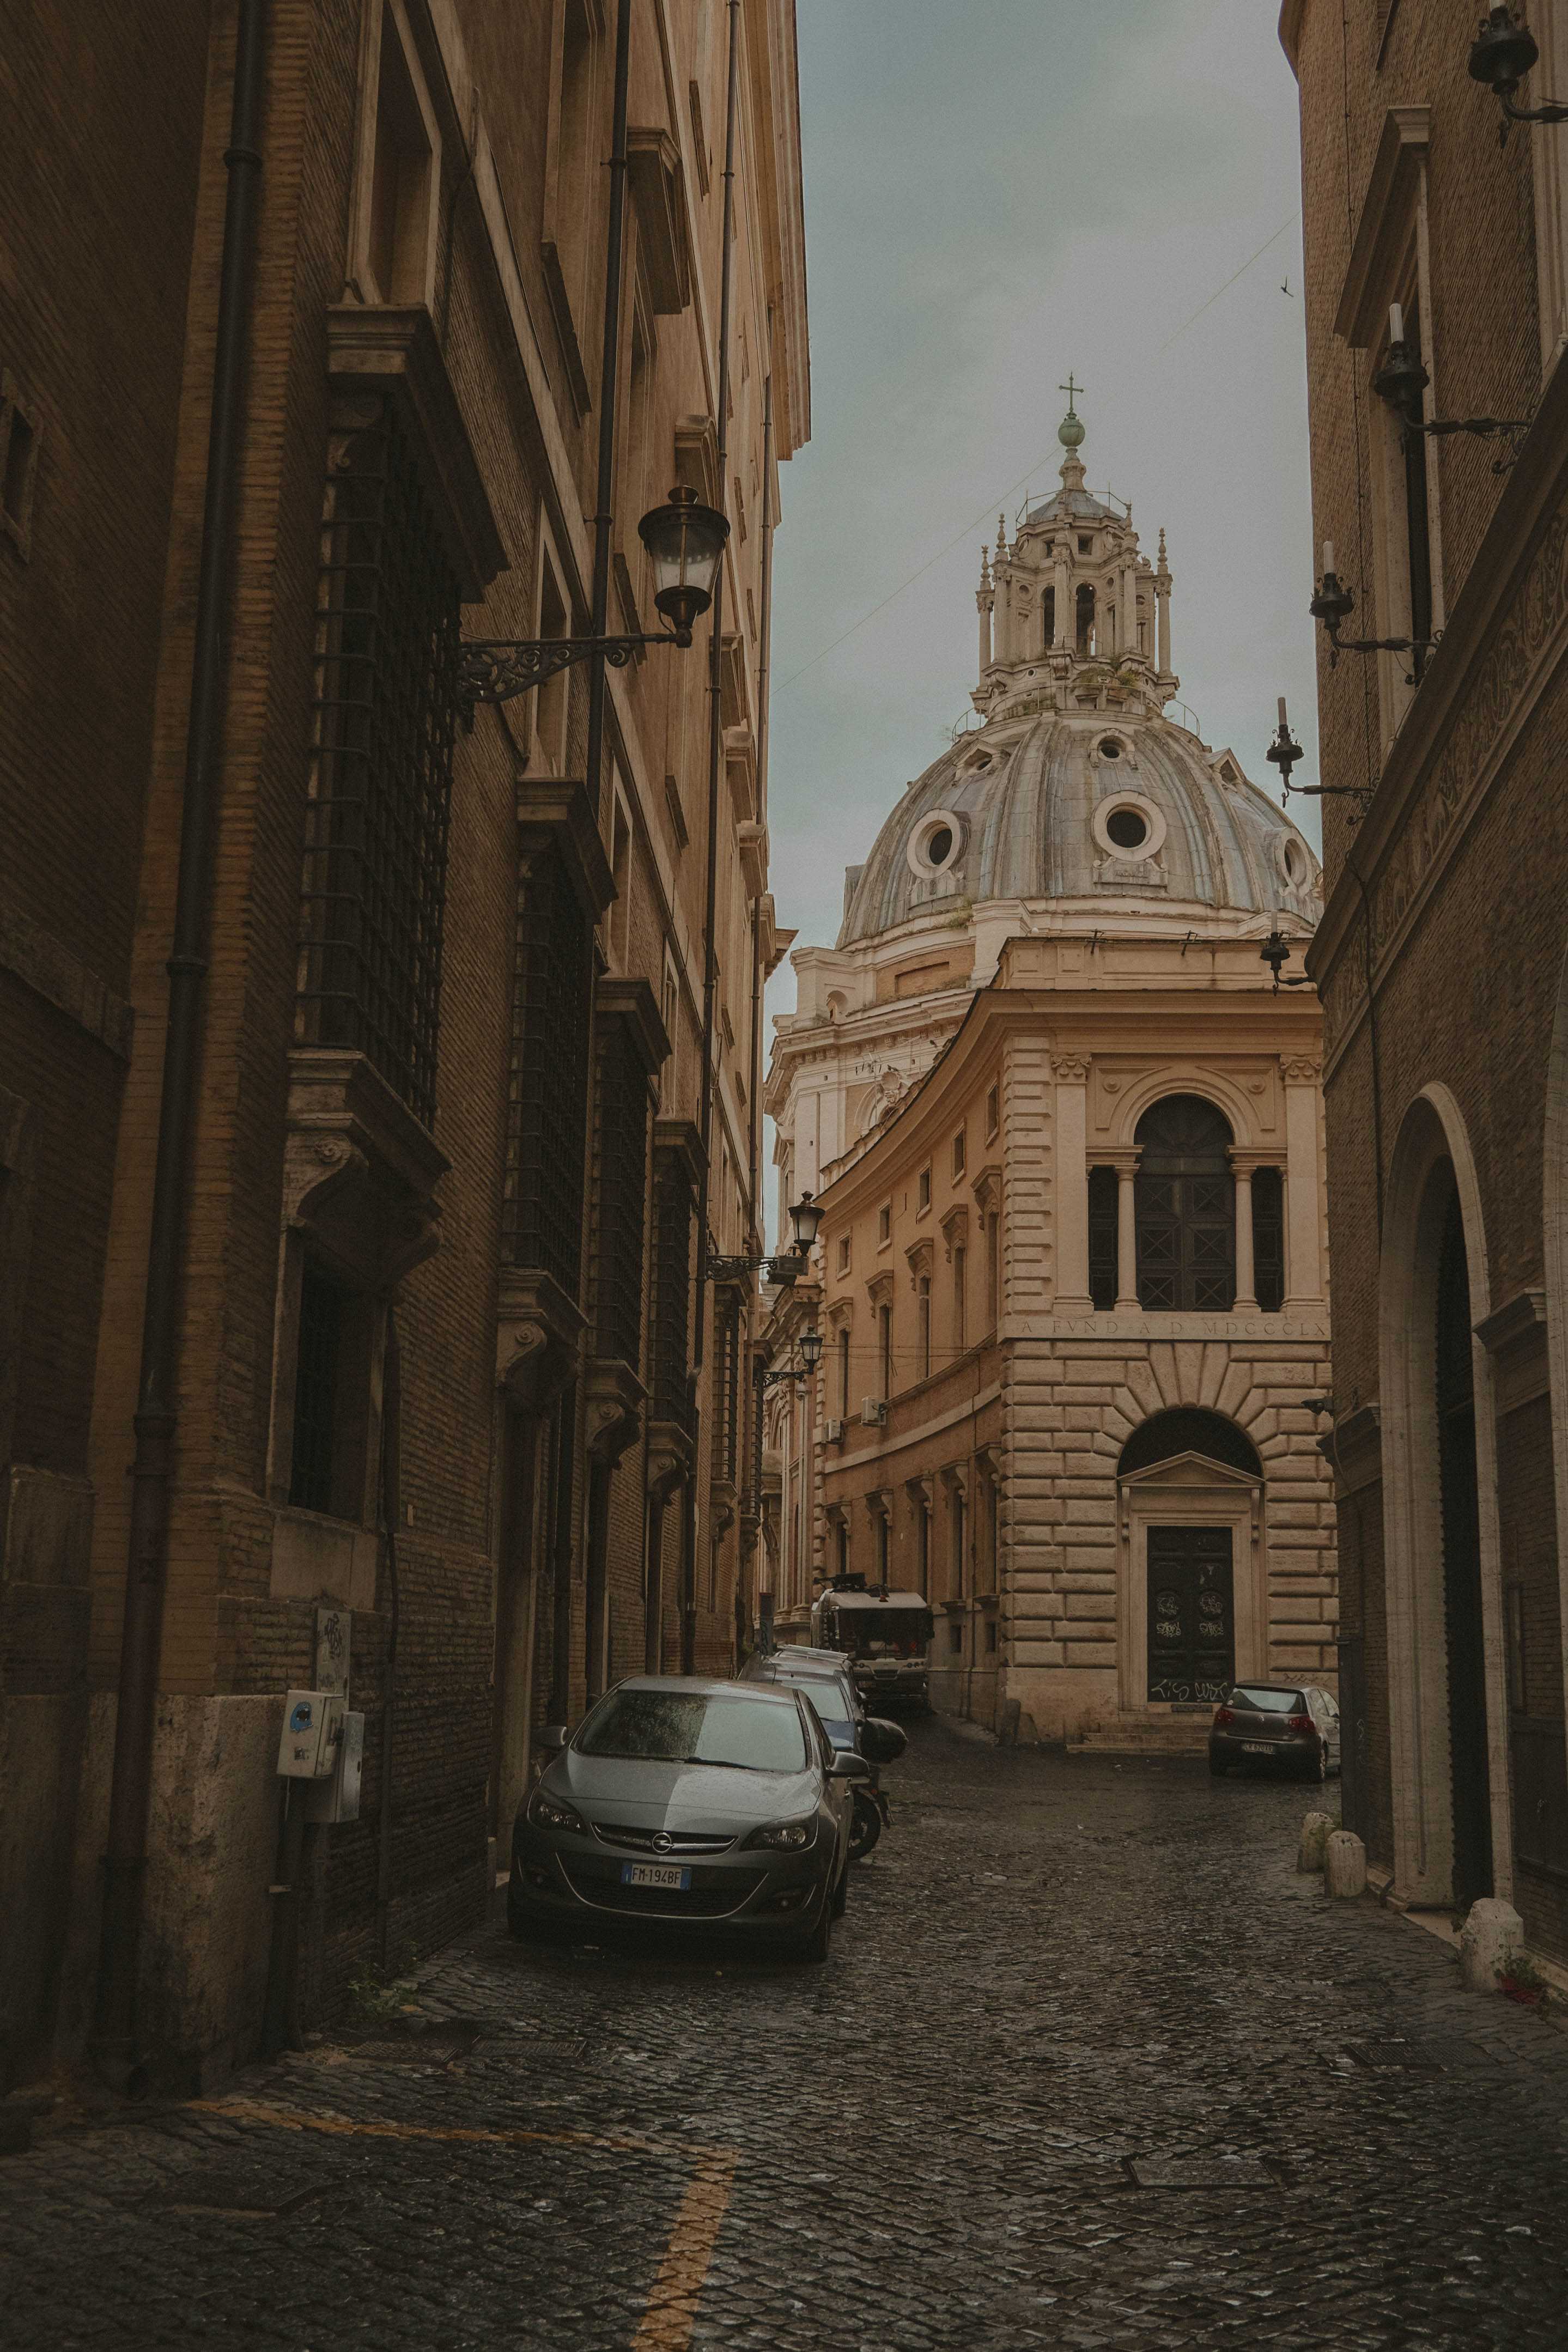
column 1061, row 1980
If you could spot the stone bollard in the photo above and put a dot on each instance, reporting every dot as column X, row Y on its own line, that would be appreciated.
column 1344, row 1863
column 1314, row 1837
column 1492, row 1938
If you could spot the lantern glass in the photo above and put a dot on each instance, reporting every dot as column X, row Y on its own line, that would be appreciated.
column 811, row 1350
column 686, row 541
column 806, row 1218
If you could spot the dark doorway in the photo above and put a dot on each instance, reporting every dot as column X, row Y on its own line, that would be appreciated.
column 1462, row 1570
column 1192, row 1615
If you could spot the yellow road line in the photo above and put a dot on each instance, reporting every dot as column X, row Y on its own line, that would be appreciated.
column 668, row 2322
column 671, row 2312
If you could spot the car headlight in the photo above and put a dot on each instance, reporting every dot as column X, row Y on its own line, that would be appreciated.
column 550, row 1813
column 786, row 1836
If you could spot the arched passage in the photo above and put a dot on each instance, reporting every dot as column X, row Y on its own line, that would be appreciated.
column 1448, row 1718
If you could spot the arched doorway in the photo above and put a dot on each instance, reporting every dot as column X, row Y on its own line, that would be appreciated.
column 1449, row 1786
column 1455, row 1402
column 1193, row 1614
column 1185, row 1203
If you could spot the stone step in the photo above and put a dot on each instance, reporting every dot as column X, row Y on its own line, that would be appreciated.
column 1143, row 1735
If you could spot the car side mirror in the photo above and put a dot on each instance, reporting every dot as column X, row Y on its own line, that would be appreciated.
column 882, row 1741
column 847, row 1766
column 554, row 1735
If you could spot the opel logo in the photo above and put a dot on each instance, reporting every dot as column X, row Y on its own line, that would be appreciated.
column 663, row 1843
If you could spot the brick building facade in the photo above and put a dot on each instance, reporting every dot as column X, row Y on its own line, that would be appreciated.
column 437, row 1306
column 1441, row 957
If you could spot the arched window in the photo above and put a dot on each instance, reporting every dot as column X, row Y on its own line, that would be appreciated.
column 1085, row 619
column 1049, row 618
column 1189, row 1429
column 1185, row 1198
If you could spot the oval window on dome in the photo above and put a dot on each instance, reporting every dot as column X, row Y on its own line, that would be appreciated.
column 936, row 844
column 1293, row 859
column 1110, row 749
column 1127, row 827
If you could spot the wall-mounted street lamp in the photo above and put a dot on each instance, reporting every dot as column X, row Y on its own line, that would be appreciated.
column 785, row 1270
column 1333, row 605
column 1403, row 378
column 1284, row 752
column 810, row 1346
column 1276, row 953
column 1502, row 53
column 686, row 541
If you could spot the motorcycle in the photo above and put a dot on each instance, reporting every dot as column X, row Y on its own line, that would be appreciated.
column 879, row 1743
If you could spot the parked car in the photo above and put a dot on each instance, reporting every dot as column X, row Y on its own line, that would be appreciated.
column 1292, row 1723
column 837, row 1703
column 701, row 1803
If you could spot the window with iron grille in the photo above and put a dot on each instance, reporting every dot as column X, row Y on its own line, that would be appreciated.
column 321, row 1303
column 673, row 1210
column 380, row 783
column 623, row 1111
column 548, row 1105
column 1268, row 1238
column 1185, row 1206
column 1102, row 1238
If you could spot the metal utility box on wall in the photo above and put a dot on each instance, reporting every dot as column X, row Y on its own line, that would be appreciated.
column 337, row 1798
column 312, row 1728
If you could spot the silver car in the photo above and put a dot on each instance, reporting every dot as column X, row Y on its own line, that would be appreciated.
column 705, row 1803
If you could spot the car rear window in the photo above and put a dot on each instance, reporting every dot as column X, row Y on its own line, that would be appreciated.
column 1268, row 1702
column 754, row 1735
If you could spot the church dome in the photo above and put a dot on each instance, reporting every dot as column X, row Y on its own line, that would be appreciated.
column 1084, row 806
column 1077, row 791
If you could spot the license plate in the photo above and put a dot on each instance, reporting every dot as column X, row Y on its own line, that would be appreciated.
column 1255, row 1747
column 656, row 1874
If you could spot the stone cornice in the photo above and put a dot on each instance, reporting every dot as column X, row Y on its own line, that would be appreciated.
column 1506, row 633
column 392, row 350
column 1217, row 1025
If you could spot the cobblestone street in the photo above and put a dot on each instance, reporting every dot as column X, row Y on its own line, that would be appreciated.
column 1090, row 2066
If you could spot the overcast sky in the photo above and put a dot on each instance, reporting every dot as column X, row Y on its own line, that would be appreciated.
column 997, row 191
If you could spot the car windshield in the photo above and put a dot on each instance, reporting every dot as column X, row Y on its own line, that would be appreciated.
column 754, row 1735
column 1268, row 1702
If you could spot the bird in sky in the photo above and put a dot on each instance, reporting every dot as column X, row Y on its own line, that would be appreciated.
column 1285, row 288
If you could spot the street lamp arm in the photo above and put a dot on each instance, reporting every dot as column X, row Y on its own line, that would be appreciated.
column 494, row 669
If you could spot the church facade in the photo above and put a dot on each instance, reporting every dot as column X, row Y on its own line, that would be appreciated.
column 1068, row 1136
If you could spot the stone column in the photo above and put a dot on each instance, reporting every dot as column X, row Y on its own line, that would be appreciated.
column 1128, row 630
column 1162, row 598
column 1304, row 1230
column 1063, row 635
column 1125, row 1162
column 1242, row 1165
column 1072, row 1162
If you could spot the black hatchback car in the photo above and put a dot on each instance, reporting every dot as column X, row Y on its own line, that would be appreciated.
column 1283, row 1723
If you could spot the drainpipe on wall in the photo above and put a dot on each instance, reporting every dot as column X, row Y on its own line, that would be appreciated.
column 391, row 1515
column 609, row 387
column 710, row 947
column 115, row 2040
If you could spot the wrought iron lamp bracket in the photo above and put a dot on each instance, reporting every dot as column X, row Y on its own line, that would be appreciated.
column 494, row 669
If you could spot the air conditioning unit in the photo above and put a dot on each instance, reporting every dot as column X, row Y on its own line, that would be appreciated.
column 874, row 1412
column 835, row 1433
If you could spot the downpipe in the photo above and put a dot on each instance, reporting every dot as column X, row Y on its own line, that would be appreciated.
column 115, row 2044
